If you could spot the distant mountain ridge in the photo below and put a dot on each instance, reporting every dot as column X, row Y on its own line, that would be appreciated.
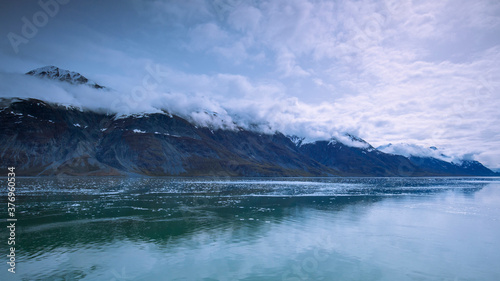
column 56, row 73
column 41, row 138
column 431, row 159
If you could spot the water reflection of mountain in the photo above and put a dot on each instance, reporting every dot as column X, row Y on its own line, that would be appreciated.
column 92, row 214
column 258, row 229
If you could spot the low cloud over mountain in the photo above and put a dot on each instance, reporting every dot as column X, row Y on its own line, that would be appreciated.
column 75, row 129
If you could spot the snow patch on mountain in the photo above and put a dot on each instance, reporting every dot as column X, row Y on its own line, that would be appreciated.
column 353, row 141
column 343, row 138
column 296, row 140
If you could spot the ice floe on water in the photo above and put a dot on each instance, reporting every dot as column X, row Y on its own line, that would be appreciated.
column 112, row 186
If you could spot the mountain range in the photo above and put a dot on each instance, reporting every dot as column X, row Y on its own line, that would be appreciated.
column 43, row 138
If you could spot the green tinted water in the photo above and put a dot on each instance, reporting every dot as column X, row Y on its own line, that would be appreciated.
column 256, row 229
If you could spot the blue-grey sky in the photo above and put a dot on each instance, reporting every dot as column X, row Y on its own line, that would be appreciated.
column 416, row 71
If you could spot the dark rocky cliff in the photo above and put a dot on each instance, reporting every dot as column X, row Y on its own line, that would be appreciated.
column 40, row 138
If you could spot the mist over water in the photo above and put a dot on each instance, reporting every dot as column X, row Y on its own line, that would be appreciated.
column 257, row 229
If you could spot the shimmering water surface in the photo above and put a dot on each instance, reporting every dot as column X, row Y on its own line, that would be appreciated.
column 256, row 229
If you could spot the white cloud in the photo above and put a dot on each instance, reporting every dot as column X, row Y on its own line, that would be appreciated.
column 245, row 18
column 204, row 36
column 287, row 65
column 409, row 150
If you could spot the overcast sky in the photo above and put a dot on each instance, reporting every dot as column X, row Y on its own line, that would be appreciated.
column 420, row 72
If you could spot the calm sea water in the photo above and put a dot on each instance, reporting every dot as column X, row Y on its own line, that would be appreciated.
column 256, row 229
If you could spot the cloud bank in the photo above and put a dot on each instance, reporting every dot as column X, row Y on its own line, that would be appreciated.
column 272, row 112
column 409, row 150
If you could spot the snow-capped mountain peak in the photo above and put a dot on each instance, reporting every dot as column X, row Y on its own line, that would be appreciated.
column 342, row 138
column 351, row 140
column 56, row 73
column 296, row 139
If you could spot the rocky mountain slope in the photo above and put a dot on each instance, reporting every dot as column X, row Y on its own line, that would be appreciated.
column 42, row 138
